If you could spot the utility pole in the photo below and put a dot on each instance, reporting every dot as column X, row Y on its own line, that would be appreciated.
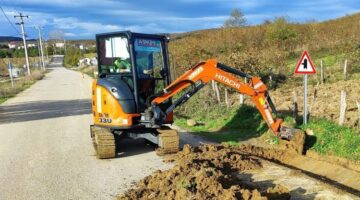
column 21, row 16
column 10, row 68
column 41, row 47
column 47, row 51
column 64, row 46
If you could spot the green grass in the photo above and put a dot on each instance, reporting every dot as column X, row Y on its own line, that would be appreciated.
column 243, row 118
column 88, row 70
column 3, row 99
column 246, row 122
column 89, row 55
column 233, row 126
column 332, row 139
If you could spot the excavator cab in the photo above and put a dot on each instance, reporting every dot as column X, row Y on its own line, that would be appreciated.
column 135, row 65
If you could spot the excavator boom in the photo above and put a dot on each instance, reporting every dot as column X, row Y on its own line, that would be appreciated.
column 202, row 73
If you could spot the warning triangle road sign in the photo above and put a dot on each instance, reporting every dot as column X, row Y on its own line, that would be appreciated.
column 305, row 65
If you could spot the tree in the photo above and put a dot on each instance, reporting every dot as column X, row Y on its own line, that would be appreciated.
column 72, row 57
column 282, row 33
column 281, row 30
column 236, row 19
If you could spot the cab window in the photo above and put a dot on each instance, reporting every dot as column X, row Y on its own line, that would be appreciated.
column 149, row 58
column 114, row 55
column 149, row 66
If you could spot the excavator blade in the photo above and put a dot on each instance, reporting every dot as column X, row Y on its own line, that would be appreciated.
column 294, row 139
column 168, row 141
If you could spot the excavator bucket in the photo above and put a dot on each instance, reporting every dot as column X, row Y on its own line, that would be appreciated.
column 294, row 139
column 168, row 141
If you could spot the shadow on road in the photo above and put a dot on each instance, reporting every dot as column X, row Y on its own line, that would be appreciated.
column 127, row 147
column 38, row 110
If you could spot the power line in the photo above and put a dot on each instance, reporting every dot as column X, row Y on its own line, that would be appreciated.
column 12, row 25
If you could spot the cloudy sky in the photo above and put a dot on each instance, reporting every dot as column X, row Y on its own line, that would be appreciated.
column 84, row 18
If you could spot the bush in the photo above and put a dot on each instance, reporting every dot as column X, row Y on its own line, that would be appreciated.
column 72, row 57
column 282, row 33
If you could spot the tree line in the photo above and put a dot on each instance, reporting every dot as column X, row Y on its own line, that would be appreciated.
column 18, row 53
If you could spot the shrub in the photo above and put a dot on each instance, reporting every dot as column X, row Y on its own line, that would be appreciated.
column 280, row 30
column 72, row 57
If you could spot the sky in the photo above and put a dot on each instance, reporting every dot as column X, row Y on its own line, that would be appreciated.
column 82, row 19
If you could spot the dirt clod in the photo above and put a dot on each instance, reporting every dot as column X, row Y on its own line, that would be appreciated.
column 278, row 192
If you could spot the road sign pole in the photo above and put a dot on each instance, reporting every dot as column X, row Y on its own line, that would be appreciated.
column 305, row 99
column 305, row 66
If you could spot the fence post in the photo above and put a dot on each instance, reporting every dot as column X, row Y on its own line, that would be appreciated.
column 296, row 108
column 321, row 72
column 358, row 105
column 217, row 92
column 241, row 96
column 313, row 97
column 342, row 107
column 345, row 69
column 213, row 85
column 227, row 102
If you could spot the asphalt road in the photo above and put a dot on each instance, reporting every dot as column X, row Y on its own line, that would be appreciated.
column 45, row 146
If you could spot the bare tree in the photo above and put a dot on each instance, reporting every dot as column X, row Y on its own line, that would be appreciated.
column 236, row 19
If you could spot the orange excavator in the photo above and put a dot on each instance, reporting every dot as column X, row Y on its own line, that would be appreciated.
column 134, row 95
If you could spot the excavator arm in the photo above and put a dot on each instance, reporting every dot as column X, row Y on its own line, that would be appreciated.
column 202, row 73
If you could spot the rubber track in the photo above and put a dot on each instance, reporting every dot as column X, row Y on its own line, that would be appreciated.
column 168, row 141
column 104, row 142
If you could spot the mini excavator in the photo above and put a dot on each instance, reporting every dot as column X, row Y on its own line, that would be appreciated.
column 133, row 95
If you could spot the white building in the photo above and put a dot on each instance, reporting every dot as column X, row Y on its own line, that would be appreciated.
column 12, row 45
column 59, row 45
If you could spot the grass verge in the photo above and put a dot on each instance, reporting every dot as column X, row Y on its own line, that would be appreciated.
column 88, row 70
column 7, row 91
column 246, row 123
column 332, row 139
column 232, row 126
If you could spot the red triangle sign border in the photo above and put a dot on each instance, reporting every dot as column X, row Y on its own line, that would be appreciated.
column 305, row 53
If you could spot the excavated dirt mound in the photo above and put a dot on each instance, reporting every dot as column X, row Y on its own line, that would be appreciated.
column 205, row 172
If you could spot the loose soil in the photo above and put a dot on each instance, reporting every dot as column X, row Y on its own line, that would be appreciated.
column 205, row 172
column 212, row 172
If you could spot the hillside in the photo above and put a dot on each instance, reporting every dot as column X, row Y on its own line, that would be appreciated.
column 273, row 44
column 276, row 45
column 9, row 39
